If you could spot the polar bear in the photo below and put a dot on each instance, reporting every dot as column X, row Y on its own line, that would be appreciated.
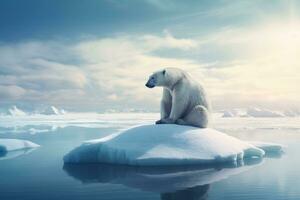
column 184, row 100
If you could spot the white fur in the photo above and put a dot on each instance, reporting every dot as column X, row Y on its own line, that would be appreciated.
column 184, row 100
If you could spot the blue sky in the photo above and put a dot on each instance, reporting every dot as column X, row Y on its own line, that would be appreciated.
column 96, row 55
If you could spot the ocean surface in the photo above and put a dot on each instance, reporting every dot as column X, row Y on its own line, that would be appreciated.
column 41, row 174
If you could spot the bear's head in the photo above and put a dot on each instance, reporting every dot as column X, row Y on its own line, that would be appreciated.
column 157, row 79
column 165, row 78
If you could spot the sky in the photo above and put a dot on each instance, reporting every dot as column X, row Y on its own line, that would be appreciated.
column 96, row 55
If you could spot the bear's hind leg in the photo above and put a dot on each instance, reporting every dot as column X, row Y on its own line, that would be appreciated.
column 197, row 117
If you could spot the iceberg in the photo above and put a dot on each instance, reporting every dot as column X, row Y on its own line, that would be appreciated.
column 166, row 144
column 7, row 145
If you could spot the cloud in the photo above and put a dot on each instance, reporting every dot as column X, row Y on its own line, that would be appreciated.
column 12, row 92
column 168, row 41
column 260, row 66
column 119, row 67
column 251, row 66
column 31, row 71
column 105, row 72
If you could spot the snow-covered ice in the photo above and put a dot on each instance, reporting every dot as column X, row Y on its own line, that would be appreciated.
column 37, row 123
column 268, row 147
column 15, row 144
column 41, row 123
column 164, row 145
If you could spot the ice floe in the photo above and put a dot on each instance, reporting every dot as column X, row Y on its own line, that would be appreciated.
column 165, row 145
column 7, row 145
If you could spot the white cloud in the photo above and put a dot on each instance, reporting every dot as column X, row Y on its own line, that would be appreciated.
column 168, row 41
column 111, row 72
column 122, row 66
column 108, row 71
column 267, row 72
column 31, row 71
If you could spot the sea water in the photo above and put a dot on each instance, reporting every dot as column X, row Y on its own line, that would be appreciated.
column 41, row 174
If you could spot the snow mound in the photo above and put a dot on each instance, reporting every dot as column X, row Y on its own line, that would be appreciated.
column 167, row 144
column 14, row 111
column 14, row 144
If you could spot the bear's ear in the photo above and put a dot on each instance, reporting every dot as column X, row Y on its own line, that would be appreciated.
column 164, row 72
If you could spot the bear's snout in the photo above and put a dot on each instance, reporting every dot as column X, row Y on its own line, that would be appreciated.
column 149, row 85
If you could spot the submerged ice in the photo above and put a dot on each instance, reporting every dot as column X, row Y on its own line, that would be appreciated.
column 166, row 145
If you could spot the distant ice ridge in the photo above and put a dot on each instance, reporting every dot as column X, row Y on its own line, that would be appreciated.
column 291, row 113
column 235, row 113
column 259, row 112
column 165, row 145
column 52, row 110
column 14, row 111
column 15, row 144
column 17, row 112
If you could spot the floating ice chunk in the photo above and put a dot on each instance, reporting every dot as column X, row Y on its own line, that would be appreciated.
column 268, row 147
column 14, row 144
column 167, row 144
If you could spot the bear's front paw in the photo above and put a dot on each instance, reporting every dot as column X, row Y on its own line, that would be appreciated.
column 165, row 121
column 159, row 121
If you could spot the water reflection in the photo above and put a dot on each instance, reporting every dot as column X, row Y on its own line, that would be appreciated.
column 4, row 155
column 176, row 182
column 194, row 193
